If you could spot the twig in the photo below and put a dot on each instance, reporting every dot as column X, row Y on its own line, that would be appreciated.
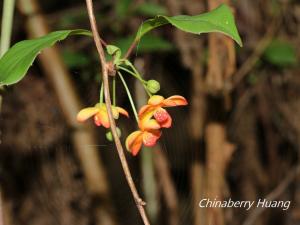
column 139, row 202
column 130, row 49
column 272, row 196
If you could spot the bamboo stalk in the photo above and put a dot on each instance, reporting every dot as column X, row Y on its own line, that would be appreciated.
column 198, row 178
column 7, row 21
column 167, row 185
column 6, row 30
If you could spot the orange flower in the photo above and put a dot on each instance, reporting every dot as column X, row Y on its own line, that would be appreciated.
column 99, row 111
column 148, row 135
column 155, row 108
column 149, row 131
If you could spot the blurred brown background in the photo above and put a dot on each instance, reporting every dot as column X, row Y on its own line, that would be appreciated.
column 239, row 137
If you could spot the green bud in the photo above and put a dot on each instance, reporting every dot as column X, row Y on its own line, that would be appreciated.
column 109, row 135
column 153, row 86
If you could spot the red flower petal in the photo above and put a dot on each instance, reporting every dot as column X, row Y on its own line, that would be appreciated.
column 167, row 123
column 150, row 137
column 161, row 115
column 97, row 120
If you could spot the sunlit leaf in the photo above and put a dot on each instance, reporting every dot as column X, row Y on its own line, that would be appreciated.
column 218, row 20
column 16, row 61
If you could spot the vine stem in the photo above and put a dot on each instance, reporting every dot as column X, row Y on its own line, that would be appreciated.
column 139, row 202
column 133, row 74
column 101, row 94
column 114, row 91
column 129, row 97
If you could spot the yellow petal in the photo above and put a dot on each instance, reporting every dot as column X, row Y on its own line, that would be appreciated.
column 99, row 105
column 115, row 112
column 103, row 117
column 155, row 100
column 86, row 113
column 174, row 100
column 144, row 109
column 146, row 116
column 122, row 111
column 134, row 142
column 150, row 125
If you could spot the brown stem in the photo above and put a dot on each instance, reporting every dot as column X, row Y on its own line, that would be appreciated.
column 130, row 49
column 139, row 202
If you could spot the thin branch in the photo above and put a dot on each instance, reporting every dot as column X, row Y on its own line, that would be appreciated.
column 273, row 196
column 139, row 202
column 130, row 49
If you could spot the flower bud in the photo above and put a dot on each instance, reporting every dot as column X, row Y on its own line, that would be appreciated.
column 153, row 86
column 109, row 135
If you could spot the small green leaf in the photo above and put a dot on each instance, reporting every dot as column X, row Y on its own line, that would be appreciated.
column 115, row 51
column 218, row 20
column 16, row 61
column 281, row 53
column 150, row 9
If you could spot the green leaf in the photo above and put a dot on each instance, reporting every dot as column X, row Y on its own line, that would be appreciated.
column 218, row 20
column 149, row 43
column 16, row 61
column 281, row 53
column 115, row 51
column 150, row 9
